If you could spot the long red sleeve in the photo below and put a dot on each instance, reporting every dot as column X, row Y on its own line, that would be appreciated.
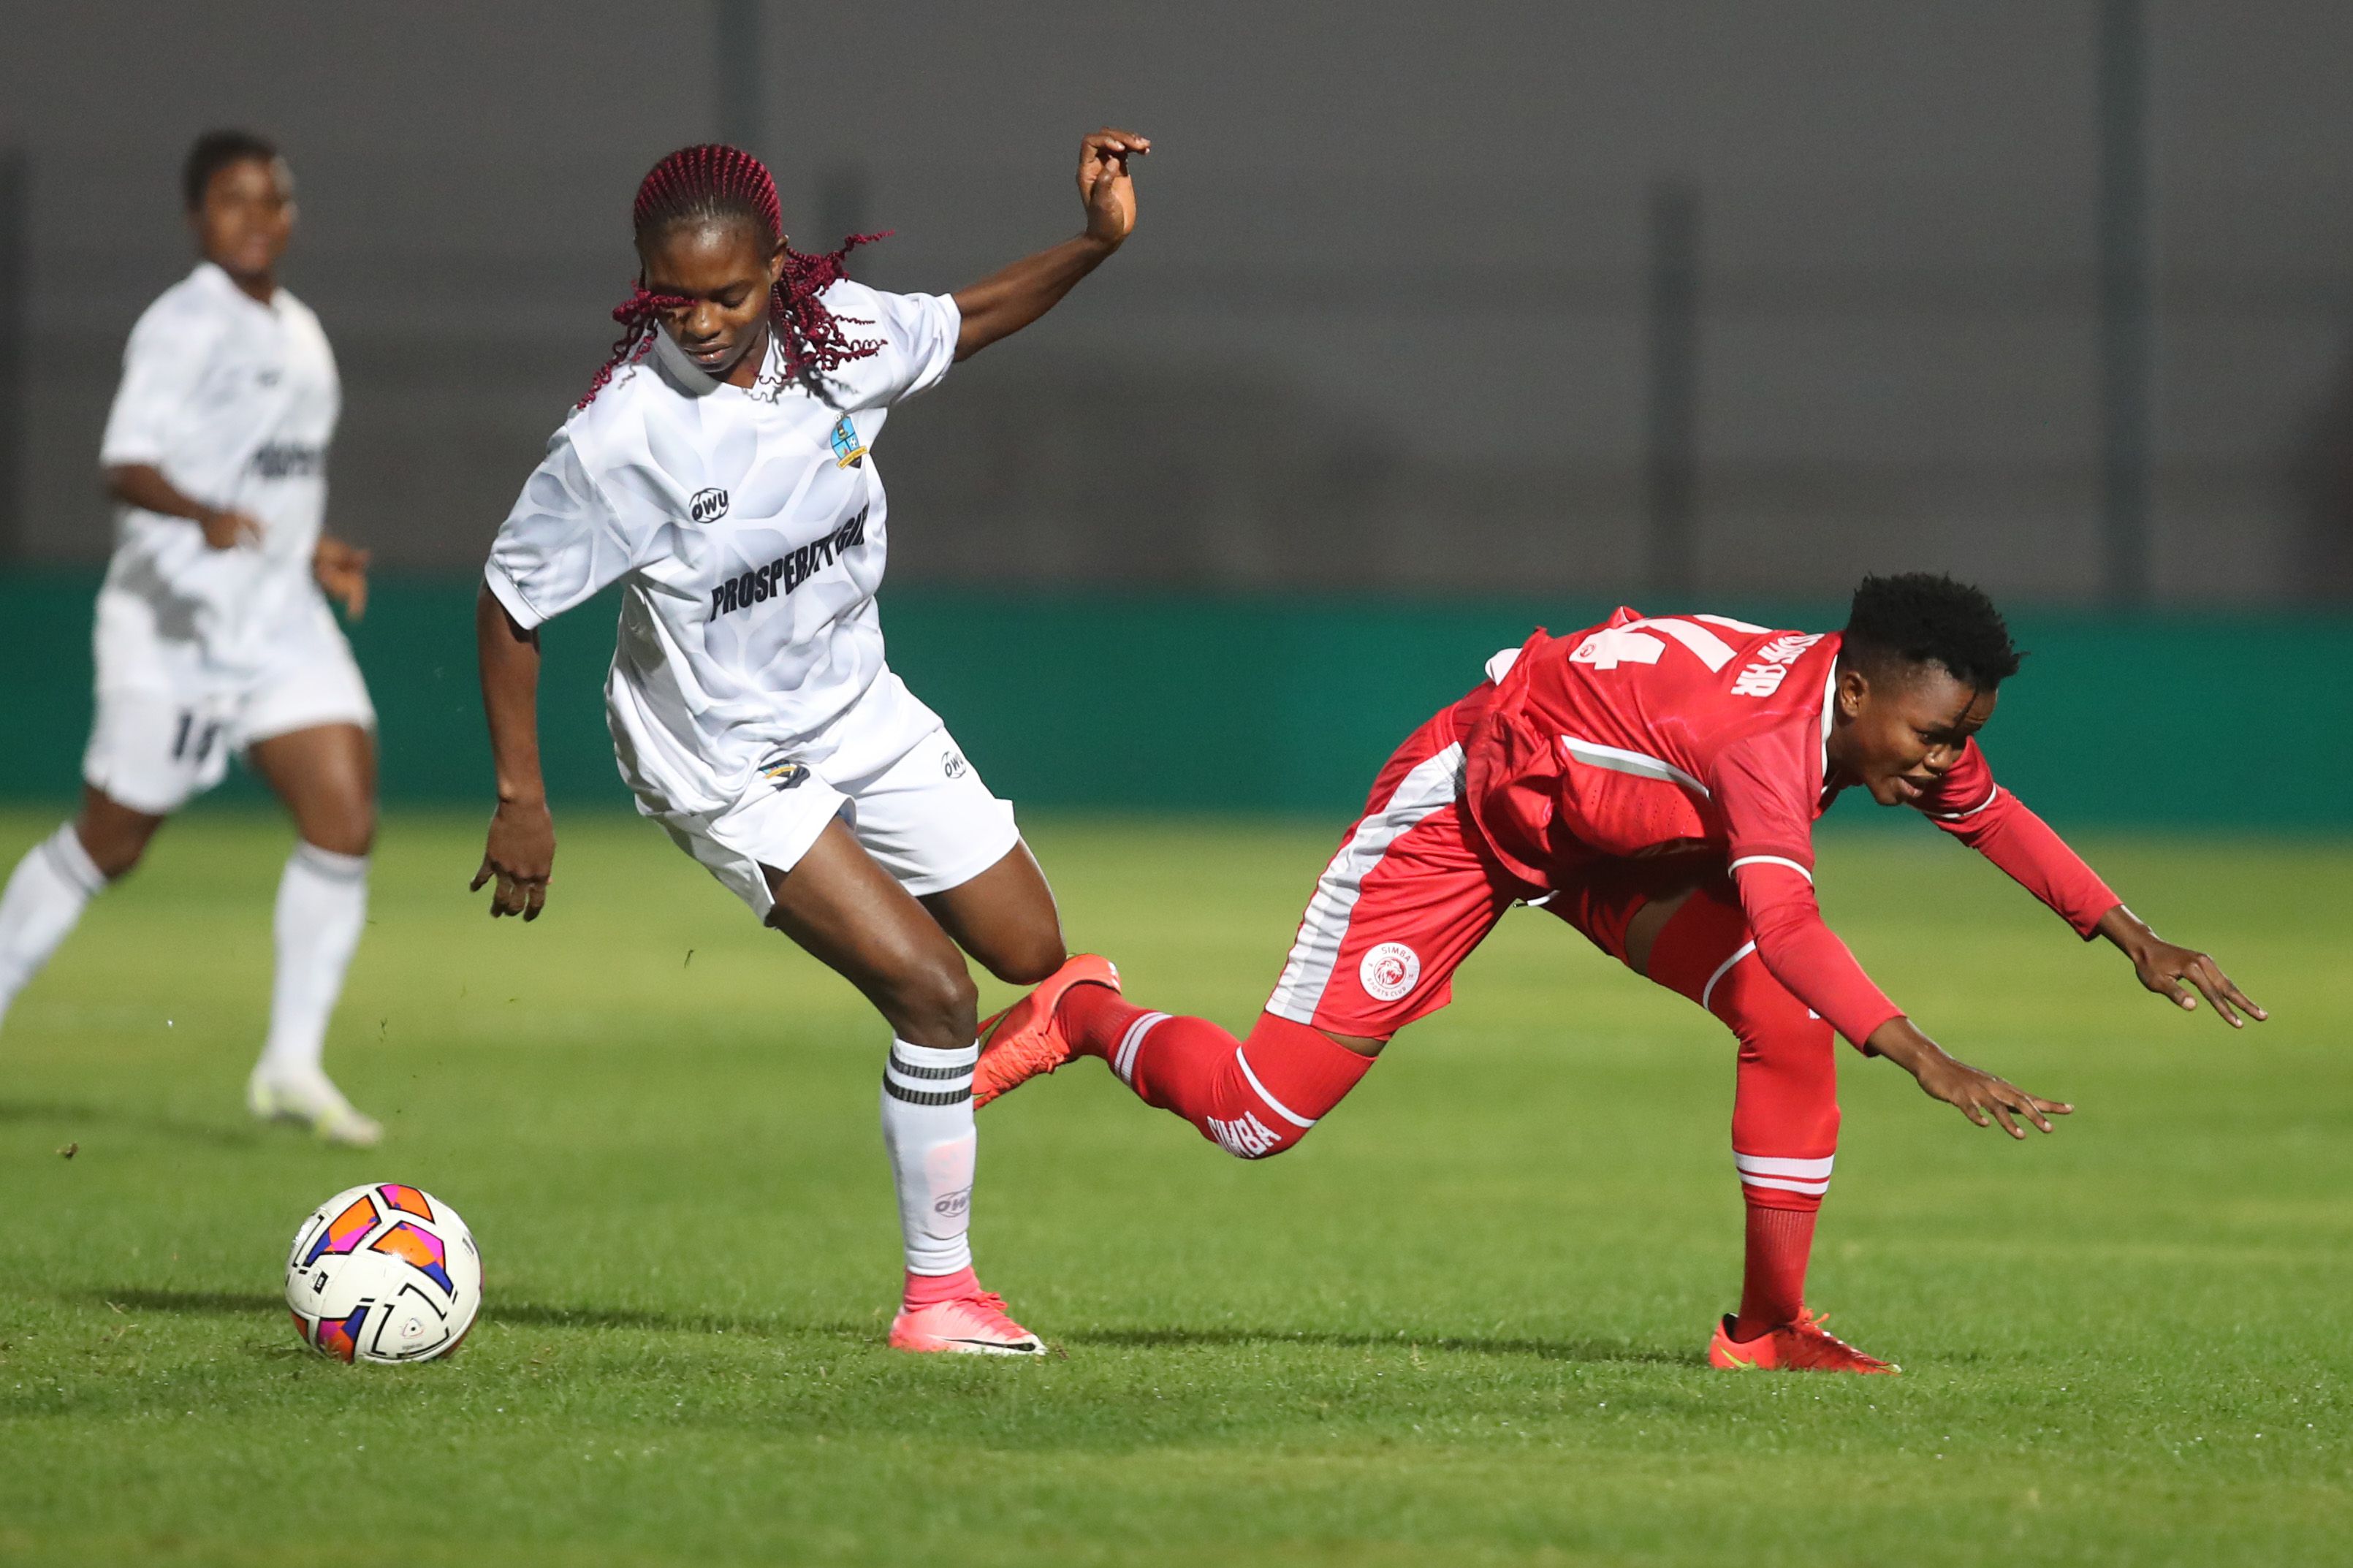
column 1991, row 820
column 1804, row 954
column 1767, row 787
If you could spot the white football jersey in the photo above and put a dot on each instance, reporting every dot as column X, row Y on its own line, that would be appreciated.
column 747, row 529
column 235, row 402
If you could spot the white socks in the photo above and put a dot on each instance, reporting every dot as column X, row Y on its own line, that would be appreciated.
column 44, row 899
column 322, row 909
column 927, row 1128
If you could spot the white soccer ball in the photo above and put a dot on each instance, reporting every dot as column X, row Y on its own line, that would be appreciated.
column 383, row 1273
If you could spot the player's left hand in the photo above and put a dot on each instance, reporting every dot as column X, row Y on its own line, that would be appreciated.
column 2172, row 971
column 341, row 568
column 1106, row 187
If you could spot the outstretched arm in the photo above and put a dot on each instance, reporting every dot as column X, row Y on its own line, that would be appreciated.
column 521, row 854
column 1005, row 302
column 1998, row 824
column 1806, row 956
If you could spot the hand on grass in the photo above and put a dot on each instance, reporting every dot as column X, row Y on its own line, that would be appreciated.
column 2171, row 971
column 1977, row 1095
column 520, row 856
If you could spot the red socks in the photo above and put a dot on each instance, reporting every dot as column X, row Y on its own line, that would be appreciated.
column 1785, row 1115
column 1252, row 1098
column 930, row 1290
column 1773, row 1285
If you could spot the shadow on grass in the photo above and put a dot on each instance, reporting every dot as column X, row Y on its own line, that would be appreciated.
column 219, row 1134
column 239, row 1303
column 1540, row 1350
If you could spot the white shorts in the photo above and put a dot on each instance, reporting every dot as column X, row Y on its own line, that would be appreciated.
column 927, row 818
column 163, row 730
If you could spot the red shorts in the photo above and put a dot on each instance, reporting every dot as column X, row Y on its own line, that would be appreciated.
column 1414, row 889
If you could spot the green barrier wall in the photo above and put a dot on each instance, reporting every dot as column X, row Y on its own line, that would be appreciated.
column 1257, row 704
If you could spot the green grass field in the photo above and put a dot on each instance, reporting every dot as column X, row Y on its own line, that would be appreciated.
column 1461, row 1324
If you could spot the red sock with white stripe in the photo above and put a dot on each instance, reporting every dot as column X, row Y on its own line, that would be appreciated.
column 1773, row 1280
column 1785, row 1114
column 1252, row 1098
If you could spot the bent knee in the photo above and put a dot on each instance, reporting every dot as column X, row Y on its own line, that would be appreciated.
column 344, row 830
column 116, row 853
column 1029, row 963
column 934, row 1005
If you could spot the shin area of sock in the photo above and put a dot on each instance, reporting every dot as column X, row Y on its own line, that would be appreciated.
column 1773, row 1282
column 322, row 912
column 927, row 1130
column 43, row 901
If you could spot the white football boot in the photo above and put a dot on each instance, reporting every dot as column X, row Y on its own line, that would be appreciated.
column 312, row 1100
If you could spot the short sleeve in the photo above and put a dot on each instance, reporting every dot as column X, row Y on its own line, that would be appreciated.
column 161, row 367
column 563, row 541
column 918, row 337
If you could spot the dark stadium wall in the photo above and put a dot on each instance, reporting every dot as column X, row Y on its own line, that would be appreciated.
column 1264, row 704
column 1387, row 325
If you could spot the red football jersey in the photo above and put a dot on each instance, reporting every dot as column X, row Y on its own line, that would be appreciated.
column 1656, row 735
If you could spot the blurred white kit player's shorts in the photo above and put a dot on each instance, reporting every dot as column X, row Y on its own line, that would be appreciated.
column 166, row 726
column 927, row 818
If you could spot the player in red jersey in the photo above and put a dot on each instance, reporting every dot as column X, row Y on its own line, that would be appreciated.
column 1653, row 782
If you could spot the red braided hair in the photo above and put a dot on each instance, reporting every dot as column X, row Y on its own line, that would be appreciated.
column 715, row 183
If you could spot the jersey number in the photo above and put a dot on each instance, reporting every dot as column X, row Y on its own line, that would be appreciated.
column 204, row 738
column 1634, row 643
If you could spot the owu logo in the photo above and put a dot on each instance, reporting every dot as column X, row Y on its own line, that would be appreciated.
column 708, row 505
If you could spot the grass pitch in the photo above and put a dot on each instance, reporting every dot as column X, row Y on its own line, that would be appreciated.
column 1461, row 1324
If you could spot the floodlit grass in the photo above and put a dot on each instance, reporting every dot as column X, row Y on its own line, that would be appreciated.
column 1460, row 1324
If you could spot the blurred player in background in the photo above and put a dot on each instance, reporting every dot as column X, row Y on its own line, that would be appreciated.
column 1654, row 782
column 719, row 470
column 213, row 634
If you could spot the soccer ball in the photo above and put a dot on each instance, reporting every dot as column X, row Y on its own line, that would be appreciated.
column 383, row 1273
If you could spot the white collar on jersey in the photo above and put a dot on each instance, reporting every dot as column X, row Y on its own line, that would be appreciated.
column 682, row 372
column 216, row 278
column 1829, row 708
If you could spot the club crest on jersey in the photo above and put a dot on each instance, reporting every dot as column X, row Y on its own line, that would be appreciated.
column 848, row 451
column 1389, row 971
column 783, row 773
column 708, row 506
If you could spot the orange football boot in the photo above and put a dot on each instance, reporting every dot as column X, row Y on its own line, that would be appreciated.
column 971, row 1325
column 1802, row 1346
column 1024, row 1040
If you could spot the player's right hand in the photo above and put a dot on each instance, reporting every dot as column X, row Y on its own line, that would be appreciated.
column 1976, row 1094
column 228, row 530
column 520, row 857
column 1105, row 185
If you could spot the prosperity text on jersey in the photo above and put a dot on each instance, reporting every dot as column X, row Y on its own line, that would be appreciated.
column 286, row 460
column 786, row 572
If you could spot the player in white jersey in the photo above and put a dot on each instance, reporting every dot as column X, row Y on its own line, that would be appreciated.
column 720, row 471
column 213, row 634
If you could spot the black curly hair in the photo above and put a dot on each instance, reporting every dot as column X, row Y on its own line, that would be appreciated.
column 1926, row 617
column 216, row 150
